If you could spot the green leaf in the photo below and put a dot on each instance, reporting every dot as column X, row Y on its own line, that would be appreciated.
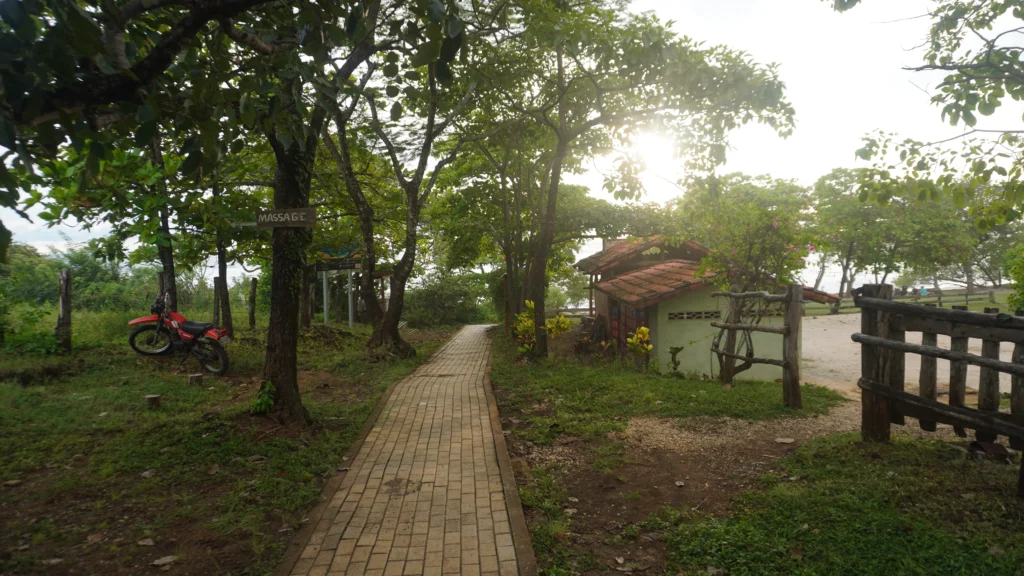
column 427, row 53
column 970, row 119
column 86, row 36
column 5, row 242
column 455, row 26
column 144, row 134
column 413, row 75
column 13, row 13
column 450, row 48
column 392, row 90
column 191, row 164
column 390, row 70
column 435, row 11
column 396, row 111
column 355, row 16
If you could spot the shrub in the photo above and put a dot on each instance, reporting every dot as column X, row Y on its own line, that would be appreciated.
column 445, row 300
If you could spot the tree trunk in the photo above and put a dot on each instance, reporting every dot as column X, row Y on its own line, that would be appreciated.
column 537, row 281
column 822, row 268
column 306, row 295
column 969, row 276
column 252, row 304
column 63, row 329
column 291, row 190
column 842, row 289
column 216, row 301
column 386, row 335
column 368, row 264
column 222, row 271
column 165, row 250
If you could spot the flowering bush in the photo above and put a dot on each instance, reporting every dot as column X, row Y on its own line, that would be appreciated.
column 525, row 332
column 639, row 345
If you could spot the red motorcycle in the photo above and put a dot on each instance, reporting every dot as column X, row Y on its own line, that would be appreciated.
column 166, row 331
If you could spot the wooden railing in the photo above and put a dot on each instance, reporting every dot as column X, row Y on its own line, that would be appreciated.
column 884, row 324
column 794, row 310
column 940, row 299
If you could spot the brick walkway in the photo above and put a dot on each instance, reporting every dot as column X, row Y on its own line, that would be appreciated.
column 424, row 493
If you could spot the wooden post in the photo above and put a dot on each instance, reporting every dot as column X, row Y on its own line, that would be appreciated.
column 252, row 304
column 591, row 305
column 874, row 408
column 1017, row 396
column 897, row 372
column 939, row 294
column 728, row 363
column 63, row 329
column 791, row 347
column 929, row 371
column 988, row 389
column 958, row 375
column 216, row 300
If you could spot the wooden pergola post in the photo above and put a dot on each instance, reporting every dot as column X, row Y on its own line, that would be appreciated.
column 875, row 416
column 791, row 347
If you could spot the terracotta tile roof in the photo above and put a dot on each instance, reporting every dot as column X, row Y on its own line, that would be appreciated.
column 664, row 281
column 654, row 284
column 620, row 250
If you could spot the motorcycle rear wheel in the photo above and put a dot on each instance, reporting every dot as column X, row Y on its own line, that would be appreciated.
column 212, row 356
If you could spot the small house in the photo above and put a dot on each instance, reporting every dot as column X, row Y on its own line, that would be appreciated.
column 651, row 282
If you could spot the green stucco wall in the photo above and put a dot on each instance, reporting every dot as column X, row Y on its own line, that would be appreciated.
column 696, row 337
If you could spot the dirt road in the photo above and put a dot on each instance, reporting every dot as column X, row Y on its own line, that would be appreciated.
column 831, row 359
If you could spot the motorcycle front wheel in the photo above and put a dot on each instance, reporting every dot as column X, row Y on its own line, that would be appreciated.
column 212, row 356
column 150, row 340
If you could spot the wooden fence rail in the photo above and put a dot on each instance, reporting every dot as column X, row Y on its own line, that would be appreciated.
column 792, row 302
column 941, row 299
column 884, row 324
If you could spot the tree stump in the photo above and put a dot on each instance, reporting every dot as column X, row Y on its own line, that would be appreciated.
column 153, row 401
column 195, row 379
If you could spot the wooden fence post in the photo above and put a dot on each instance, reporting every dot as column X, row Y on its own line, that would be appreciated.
column 791, row 347
column 958, row 375
column 252, row 304
column 729, row 364
column 897, row 372
column 63, row 329
column 216, row 300
column 874, row 408
column 929, row 372
column 988, row 389
column 1017, row 397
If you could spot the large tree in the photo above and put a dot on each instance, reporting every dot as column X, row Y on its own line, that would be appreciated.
column 594, row 74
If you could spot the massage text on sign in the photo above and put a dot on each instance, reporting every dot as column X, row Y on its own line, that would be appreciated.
column 293, row 218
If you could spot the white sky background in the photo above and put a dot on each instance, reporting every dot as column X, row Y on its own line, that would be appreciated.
column 843, row 74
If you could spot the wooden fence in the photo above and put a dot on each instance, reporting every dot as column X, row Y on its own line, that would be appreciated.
column 884, row 324
column 940, row 299
column 792, row 302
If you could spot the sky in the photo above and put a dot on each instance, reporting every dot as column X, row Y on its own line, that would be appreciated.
column 843, row 73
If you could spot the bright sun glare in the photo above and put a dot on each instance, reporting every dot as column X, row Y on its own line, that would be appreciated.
column 662, row 165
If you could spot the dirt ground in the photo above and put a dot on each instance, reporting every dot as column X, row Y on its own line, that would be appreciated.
column 832, row 359
column 703, row 463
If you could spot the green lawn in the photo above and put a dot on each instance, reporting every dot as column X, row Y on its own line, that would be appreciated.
column 912, row 507
column 84, row 439
column 563, row 397
column 559, row 398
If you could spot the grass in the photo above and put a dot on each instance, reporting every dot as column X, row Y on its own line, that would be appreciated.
column 911, row 507
column 85, row 438
column 560, row 397
column 563, row 397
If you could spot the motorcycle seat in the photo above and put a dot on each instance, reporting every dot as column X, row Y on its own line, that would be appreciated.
column 196, row 328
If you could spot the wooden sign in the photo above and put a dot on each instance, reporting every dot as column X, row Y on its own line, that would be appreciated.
column 340, row 264
column 290, row 218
